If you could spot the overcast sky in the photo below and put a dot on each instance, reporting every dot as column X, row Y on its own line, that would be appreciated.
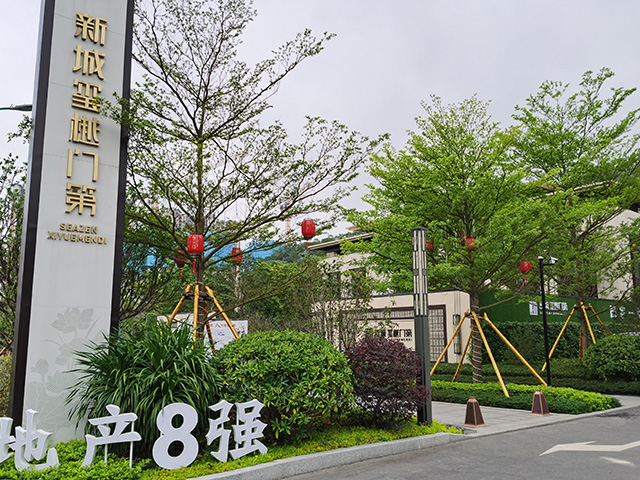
column 388, row 56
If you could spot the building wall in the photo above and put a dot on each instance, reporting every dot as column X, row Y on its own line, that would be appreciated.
column 618, row 287
column 444, row 308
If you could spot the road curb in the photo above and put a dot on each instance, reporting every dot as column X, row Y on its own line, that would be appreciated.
column 287, row 467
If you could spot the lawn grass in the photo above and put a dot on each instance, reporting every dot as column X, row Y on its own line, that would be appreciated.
column 330, row 438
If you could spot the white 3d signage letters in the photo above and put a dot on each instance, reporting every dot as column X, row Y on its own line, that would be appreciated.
column 30, row 444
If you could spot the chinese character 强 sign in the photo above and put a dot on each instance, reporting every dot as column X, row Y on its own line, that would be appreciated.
column 74, row 215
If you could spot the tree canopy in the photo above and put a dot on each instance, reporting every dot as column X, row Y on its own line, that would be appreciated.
column 457, row 179
column 200, row 161
column 582, row 151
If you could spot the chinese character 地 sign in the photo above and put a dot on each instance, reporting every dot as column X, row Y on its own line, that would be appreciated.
column 71, row 256
column 30, row 444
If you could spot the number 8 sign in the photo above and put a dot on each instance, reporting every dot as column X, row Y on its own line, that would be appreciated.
column 181, row 434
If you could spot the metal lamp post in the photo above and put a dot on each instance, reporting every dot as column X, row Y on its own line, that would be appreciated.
column 552, row 261
column 421, row 317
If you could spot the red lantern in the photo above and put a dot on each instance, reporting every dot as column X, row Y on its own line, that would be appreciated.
column 236, row 255
column 195, row 244
column 236, row 258
column 525, row 266
column 308, row 229
column 180, row 260
column 429, row 245
column 470, row 243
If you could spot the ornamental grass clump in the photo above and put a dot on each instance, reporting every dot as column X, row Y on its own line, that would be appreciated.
column 142, row 372
column 302, row 380
column 385, row 380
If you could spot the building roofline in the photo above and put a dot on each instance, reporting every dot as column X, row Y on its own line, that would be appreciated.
column 334, row 245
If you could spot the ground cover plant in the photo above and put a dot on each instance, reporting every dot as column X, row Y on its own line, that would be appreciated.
column 328, row 438
column 559, row 399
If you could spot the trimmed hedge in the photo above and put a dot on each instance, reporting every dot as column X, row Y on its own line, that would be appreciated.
column 559, row 399
column 564, row 373
column 616, row 357
column 528, row 339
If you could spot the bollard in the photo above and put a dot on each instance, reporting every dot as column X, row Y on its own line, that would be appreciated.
column 539, row 406
column 473, row 418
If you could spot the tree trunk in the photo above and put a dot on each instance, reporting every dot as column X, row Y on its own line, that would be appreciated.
column 476, row 356
column 584, row 331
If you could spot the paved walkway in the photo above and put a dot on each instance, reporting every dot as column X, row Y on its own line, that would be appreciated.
column 500, row 420
column 497, row 420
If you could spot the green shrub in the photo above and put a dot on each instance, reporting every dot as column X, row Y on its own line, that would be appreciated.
column 143, row 371
column 386, row 380
column 559, row 399
column 615, row 357
column 5, row 384
column 301, row 379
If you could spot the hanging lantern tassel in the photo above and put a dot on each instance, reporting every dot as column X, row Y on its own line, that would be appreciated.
column 194, row 268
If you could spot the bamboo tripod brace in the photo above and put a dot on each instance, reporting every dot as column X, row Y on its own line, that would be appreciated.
column 206, row 296
column 564, row 327
column 474, row 318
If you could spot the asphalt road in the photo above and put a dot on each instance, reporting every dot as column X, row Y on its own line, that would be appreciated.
column 595, row 447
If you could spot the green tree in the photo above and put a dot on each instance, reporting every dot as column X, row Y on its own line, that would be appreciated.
column 149, row 284
column 582, row 151
column 12, row 175
column 456, row 179
column 309, row 295
column 199, row 160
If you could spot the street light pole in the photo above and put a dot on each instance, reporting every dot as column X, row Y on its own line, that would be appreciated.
column 421, row 317
column 544, row 314
column 20, row 108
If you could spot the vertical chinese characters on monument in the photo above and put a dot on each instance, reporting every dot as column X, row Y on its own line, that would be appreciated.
column 84, row 130
column 74, row 205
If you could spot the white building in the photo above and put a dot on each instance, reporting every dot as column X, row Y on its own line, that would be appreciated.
column 446, row 308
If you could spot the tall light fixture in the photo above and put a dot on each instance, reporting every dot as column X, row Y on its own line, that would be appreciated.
column 421, row 317
column 552, row 261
